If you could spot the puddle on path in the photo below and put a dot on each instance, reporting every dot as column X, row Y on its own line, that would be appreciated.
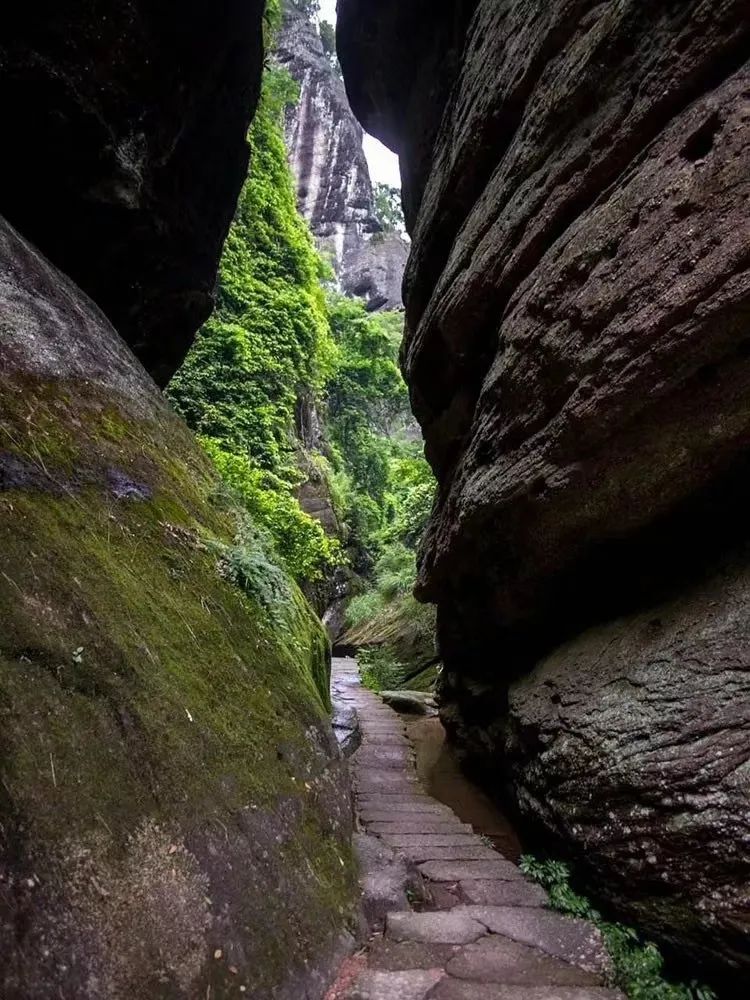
column 439, row 772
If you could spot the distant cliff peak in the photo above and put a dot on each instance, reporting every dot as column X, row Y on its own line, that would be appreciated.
column 334, row 190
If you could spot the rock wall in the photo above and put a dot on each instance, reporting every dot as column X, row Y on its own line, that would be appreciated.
column 125, row 131
column 174, row 813
column 577, row 182
column 333, row 180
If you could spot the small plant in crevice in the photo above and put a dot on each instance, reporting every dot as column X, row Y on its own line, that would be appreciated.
column 378, row 670
column 252, row 565
column 638, row 966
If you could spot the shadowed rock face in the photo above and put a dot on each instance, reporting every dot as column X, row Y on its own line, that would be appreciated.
column 649, row 716
column 577, row 305
column 127, row 133
column 174, row 814
column 398, row 76
column 333, row 180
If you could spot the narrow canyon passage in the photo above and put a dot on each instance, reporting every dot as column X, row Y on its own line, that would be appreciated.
column 415, row 328
column 451, row 918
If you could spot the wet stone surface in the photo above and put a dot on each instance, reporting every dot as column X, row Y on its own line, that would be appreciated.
column 476, row 929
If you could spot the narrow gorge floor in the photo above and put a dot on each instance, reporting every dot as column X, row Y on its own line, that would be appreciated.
column 450, row 918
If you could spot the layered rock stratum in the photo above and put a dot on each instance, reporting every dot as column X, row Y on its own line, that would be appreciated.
column 334, row 190
column 577, row 188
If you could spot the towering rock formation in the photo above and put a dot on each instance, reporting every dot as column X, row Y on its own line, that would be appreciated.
column 174, row 817
column 333, row 180
column 577, row 182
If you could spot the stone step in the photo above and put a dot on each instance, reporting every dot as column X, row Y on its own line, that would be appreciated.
column 413, row 984
column 383, row 740
column 402, row 840
column 382, row 815
column 458, row 871
column 420, row 826
column 441, row 927
column 400, row 956
column 568, row 938
column 417, row 803
column 449, row 988
column 394, row 759
column 500, row 960
column 499, row 893
column 467, row 852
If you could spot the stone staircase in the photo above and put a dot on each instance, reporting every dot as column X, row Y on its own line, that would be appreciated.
column 479, row 930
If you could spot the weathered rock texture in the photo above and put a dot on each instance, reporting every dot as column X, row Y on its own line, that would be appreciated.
column 174, row 817
column 577, row 297
column 125, row 138
column 649, row 716
column 333, row 180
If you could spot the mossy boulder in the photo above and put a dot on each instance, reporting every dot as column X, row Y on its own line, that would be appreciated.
column 174, row 815
column 404, row 633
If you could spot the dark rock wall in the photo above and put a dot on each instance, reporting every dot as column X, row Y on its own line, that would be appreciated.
column 643, row 725
column 333, row 180
column 124, row 135
column 399, row 73
column 578, row 306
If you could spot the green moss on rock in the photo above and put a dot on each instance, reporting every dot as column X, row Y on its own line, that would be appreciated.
column 155, row 718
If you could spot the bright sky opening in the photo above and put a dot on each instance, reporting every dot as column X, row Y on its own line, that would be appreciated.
column 382, row 162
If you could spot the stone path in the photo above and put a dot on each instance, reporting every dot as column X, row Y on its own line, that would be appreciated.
column 477, row 930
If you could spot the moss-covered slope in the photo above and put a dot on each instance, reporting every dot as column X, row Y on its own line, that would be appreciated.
column 173, row 815
column 402, row 632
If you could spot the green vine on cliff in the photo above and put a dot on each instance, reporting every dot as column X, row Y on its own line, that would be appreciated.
column 267, row 343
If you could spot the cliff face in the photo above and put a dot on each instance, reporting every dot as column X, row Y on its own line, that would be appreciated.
column 174, row 815
column 577, row 180
column 333, row 180
column 127, row 130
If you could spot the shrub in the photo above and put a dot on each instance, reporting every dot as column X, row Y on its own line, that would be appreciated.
column 364, row 607
column 638, row 966
column 378, row 670
column 250, row 564
column 268, row 343
column 298, row 540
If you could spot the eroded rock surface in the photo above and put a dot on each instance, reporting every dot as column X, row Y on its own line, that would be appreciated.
column 650, row 716
column 334, row 190
column 127, row 130
column 174, row 814
column 577, row 306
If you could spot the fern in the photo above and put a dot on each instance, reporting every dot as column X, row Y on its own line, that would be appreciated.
column 638, row 966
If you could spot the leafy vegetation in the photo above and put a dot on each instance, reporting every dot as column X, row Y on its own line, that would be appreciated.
column 638, row 966
column 388, row 208
column 267, row 343
column 280, row 335
column 378, row 670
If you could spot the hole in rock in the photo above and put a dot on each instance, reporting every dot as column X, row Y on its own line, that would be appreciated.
column 701, row 142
